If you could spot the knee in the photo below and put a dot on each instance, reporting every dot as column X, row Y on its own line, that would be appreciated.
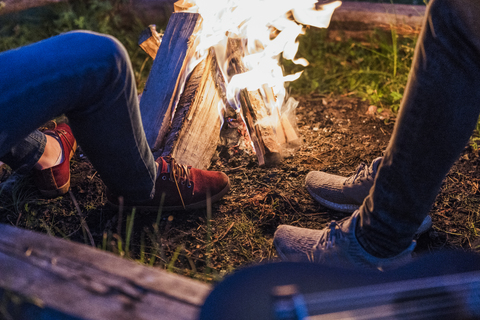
column 102, row 46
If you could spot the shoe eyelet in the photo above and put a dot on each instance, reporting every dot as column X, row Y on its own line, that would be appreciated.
column 189, row 185
column 164, row 178
column 183, row 182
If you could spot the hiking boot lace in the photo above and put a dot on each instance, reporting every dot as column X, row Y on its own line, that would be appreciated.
column 179, row 172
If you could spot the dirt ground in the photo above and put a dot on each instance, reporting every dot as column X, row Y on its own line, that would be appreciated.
column 338, row 135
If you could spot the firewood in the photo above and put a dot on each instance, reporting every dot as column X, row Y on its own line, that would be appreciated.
column 253, row 108
column 182, row 5
column 195, row 128
column 163, row 86
column 150, row 40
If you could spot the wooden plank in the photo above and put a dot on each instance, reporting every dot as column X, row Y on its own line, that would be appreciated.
column 65, row 280
column 195, row 131
column 162, row 88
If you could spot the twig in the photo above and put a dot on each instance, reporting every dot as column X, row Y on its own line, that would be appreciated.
column 235, row 169
column 82, row 218
column 225, row 233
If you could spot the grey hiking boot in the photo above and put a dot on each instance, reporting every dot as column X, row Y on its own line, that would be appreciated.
column 346, row 194
column 335, row 245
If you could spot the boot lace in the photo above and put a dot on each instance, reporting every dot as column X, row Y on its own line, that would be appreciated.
column 179, row 173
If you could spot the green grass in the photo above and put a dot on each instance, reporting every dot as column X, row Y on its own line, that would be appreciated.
column 375, row 70
column 104, row 16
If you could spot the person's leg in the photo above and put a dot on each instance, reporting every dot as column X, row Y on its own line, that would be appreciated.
column 437, row 116
column 89, row 78
column 26, row 153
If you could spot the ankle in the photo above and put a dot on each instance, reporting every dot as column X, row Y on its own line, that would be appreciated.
column 52, row 155
column 372, row 244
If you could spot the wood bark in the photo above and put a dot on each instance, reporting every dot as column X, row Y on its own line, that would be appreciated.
column 163, row 85
column 44, row 277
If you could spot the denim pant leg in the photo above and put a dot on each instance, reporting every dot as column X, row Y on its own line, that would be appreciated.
column 25, row 154
column 88, row 77
column 438, row 114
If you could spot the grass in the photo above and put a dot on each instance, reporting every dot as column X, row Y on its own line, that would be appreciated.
column 375, row 69
column 104, row 16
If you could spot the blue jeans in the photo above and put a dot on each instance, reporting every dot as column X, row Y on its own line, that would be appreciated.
column 439, row 111
column 89, row 78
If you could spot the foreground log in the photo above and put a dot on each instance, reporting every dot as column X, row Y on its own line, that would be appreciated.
column 42, row 277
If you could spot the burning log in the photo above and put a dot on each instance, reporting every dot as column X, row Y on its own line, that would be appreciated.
column 186, row 127
column 162, row 89
column 195, row 129
column 267, row 139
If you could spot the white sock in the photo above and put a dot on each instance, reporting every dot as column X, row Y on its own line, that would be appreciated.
column 60, row 158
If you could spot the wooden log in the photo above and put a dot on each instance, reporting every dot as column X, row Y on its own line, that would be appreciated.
column 150, row 40
column 380, row 14
column 43, row 277
column 195, row 130
column 8, row 6
column 253, row 108
column 161, row 91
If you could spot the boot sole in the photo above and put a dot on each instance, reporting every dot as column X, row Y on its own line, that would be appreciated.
column 345, row 208
column 192, row 206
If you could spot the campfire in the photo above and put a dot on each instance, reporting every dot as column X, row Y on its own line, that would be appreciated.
column 220, row 65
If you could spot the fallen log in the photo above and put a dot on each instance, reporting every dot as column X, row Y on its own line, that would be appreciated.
column 8, row 6
column 43, row 277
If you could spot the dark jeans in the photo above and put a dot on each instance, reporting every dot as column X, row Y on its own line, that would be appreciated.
column 89, row 78
column 439, row 111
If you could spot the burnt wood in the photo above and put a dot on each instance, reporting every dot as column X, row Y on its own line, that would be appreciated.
column 150, row 40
